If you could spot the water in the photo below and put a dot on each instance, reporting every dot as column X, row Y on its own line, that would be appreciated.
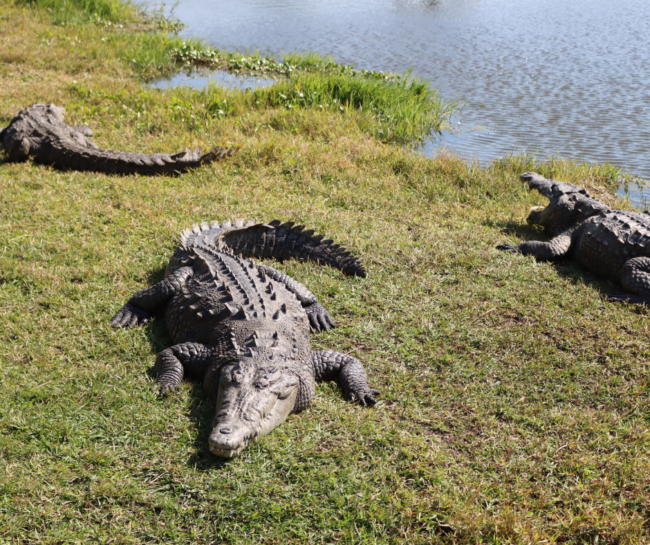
column 202, row 79
column 546, row 76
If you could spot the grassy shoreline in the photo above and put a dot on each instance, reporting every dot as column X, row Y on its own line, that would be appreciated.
column 515, row 404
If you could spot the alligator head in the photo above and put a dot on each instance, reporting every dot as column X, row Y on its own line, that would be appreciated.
column 569, row 204
column 252, row 401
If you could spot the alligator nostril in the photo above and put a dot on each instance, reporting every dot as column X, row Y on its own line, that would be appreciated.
column 226, row 429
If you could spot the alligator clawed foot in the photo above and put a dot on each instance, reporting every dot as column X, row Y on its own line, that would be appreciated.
column 507, row 248
column 365, row 398
column 319, row 318
column 165, row 389
column 130, row 316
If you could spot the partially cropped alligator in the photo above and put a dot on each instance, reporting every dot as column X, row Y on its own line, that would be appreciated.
column 244, row 328
column 614, row 244
column 41, row 133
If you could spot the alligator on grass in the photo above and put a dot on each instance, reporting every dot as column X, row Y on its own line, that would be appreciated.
column 614, row 244
column 41, row 133
column 244, row 328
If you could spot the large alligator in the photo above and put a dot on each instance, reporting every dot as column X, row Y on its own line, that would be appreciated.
column 41, row 133
column 614, row 244
column 244, row 328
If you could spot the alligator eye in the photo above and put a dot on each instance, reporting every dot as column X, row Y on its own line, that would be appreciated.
column 225, row 375
column 237, row 377
column 262, row 383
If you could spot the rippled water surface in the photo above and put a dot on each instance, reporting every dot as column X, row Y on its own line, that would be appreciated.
column 548, row 76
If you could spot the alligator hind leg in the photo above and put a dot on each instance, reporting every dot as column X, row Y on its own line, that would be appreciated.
column 148, row 301
column 544, row 251
column 635, row 279
column 187, row 358
column 348, row 373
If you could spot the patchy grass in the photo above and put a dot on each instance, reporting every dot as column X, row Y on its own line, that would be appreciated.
column 393, row 108
column 515, row 403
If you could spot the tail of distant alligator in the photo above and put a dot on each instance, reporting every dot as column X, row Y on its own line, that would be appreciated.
column 41, row 133
column 275, row 239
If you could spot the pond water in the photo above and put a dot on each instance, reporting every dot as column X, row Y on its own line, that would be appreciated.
column 546, row 76
column 202, row 79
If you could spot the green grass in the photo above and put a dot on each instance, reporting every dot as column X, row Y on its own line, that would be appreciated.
column 392, row 108
column 515, row 403
column 82, row 11
column 402, row 110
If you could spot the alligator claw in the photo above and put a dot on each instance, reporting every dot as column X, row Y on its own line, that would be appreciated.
column 130, row 316
column 507, row 248
column 319, row 318
column 365, row 398
column 165, row 389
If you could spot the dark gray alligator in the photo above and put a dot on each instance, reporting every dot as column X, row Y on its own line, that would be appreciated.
column 244, row 328
column 40, row 132
column 614, row 244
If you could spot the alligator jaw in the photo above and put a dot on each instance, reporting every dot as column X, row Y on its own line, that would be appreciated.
column 225, row 452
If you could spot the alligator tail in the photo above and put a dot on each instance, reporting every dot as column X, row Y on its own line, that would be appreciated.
column 275, row 240
column 74, row 156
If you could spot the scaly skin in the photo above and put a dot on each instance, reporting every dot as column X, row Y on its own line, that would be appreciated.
column 244, row 328
column 41, row 133
column 614, row 244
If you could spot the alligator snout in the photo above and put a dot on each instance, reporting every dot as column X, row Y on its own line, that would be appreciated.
column 228, row 441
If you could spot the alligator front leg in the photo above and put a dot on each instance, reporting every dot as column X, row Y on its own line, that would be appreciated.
column 347, row 371
column 635, row 278
column 148, row 301
column 318, row 316
column 543, row 251
column 186, row 358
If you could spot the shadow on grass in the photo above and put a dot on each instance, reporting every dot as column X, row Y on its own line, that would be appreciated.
column 518, row 230
column 202, row 407
column 566, row 268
